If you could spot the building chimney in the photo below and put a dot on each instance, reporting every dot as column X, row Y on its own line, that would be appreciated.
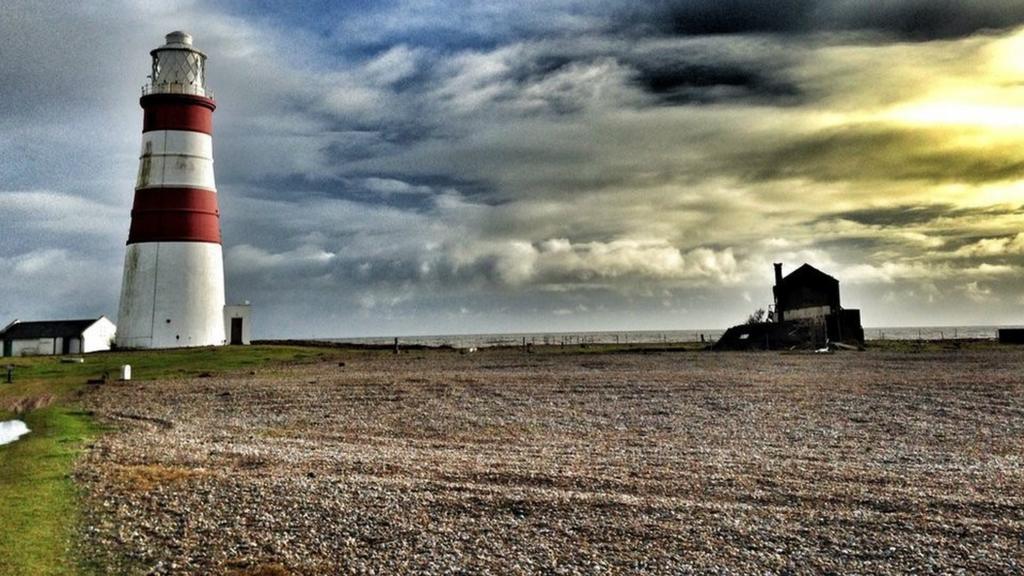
column 777, row 292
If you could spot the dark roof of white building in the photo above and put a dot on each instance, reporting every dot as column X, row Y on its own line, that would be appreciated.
column 47, row 329
column 808, row 274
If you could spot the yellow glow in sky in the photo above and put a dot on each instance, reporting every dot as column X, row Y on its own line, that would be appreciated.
column 1008, row 56
column 993, row 117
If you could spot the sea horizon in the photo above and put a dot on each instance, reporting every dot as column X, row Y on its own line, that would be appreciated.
column 482, row 340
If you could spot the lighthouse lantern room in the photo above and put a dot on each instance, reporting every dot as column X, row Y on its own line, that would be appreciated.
column 172, row 293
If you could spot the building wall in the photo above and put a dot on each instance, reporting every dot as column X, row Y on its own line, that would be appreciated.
column 97, row 337
column 809, row 312
column 243, row 311
column 44, row 346
column 172, row 295
column 794, row 295
column 33, row 347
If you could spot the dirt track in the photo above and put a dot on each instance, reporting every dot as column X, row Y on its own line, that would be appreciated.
column 504, row 462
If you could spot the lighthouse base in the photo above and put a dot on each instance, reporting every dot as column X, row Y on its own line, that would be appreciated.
column 172, row 296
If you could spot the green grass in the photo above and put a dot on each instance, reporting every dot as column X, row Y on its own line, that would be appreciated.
column 41, row 376
column 39, row 505
column 934, row 345
column 38, row 510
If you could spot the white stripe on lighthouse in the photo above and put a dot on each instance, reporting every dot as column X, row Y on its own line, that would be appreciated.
column 177, row 142
column 176, row 158
column 172, row 295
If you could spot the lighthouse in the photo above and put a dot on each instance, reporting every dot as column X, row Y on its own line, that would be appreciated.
column 172, row 292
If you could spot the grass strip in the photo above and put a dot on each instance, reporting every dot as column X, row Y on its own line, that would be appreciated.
column 38, row 509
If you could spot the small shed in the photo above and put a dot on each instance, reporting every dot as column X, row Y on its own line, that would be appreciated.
column 51, row 337
column 238, row 323
column 1011, row 335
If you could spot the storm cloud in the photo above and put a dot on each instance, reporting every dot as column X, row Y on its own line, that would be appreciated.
column 424, row 166
column 908, row 19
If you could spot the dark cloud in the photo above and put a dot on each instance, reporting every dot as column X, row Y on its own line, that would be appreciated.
column 914, row 214
column 541, row 67
column 910, row 19
column 924, row 19
column 689, row 17
column 864, row 153
column 706, row 83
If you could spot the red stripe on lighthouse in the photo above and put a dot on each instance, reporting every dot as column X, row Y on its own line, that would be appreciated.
column 177, row 112
column 175, row 215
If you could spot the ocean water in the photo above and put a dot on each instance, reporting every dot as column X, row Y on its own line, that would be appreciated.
column 934, row 333
column 546, row 338
column 657, row 336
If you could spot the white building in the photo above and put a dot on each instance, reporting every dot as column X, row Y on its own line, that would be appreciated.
column 238, row 323
column 57, row 337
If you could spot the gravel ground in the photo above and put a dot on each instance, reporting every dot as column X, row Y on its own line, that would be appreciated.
column 502, row 462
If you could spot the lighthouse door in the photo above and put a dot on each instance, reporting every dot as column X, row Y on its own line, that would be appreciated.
column 236, row 330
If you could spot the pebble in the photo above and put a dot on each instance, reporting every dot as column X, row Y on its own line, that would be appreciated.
column 504, row 463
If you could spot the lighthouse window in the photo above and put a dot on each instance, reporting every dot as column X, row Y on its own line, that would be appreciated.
column 177, row 70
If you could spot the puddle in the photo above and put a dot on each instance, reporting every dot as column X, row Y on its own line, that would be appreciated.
column 11, row 430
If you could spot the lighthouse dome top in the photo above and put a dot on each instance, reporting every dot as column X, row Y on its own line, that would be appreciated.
column 179, row 38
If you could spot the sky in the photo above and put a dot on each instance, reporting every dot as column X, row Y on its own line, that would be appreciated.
column 437, row 166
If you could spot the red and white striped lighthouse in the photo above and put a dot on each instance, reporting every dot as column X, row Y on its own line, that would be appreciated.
column 172, row 293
